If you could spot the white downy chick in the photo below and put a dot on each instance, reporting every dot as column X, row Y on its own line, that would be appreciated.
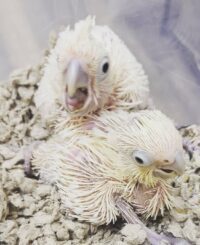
column 90, row 69
column 126, row 155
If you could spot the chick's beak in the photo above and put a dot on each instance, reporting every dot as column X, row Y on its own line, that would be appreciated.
column 76, row 84
column 178, row 166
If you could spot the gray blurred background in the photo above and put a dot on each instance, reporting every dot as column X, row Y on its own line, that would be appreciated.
column 163, row 34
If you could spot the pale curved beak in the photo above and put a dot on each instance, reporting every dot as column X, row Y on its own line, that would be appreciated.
column 75, row 77
column 178, row 166
column 76, row 85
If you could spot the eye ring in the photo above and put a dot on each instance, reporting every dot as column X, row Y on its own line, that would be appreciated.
column 142, row 158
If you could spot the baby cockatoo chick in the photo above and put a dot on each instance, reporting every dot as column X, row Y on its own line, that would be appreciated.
column 90, row 68
column 125, row 155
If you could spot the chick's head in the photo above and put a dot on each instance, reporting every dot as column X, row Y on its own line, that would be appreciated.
column 83, row 70
column 90, row 69
column 149, row 145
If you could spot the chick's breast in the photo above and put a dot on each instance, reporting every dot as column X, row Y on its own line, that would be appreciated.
column 85, row 182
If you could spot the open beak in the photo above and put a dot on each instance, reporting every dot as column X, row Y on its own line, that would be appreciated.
column 76, row 85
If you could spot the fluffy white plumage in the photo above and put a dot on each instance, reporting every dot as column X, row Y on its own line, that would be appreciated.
column 124, row 85
column 130, row 155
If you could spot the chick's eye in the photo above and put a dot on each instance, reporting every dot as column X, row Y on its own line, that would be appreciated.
column 139, row 160
column 105, row 67
column 142, row 158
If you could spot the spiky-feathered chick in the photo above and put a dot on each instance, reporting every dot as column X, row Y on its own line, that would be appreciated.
column 90, row 68
column 128, row 155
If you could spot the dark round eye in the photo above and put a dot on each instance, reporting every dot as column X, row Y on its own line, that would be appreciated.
column 105, row 67
column 139, row 160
